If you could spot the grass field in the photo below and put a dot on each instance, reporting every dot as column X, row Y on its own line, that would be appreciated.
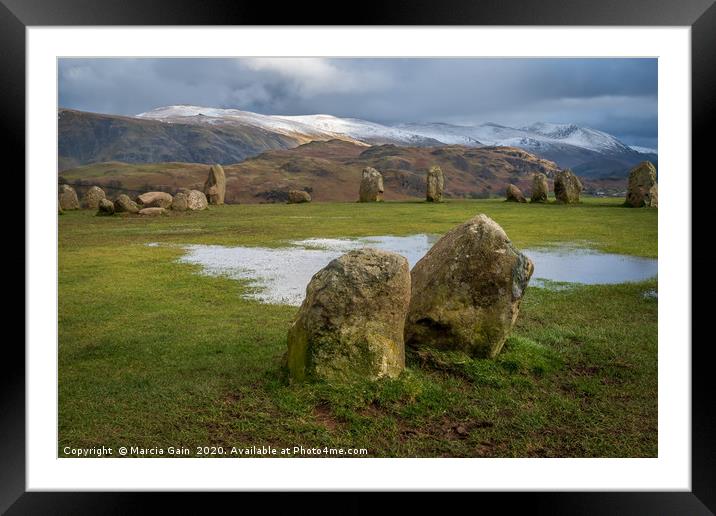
column 152, row 354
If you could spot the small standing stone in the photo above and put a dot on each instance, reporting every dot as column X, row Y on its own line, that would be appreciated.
column 371, row 186
column 567, row 187
column 105, row 207
column 298, row 196
column 643, row 190
column 180, row 203
column 435, row 185
column 514, row 194
column 124, row 204
column 215, row 186
column 540, row 188
column 68, row 198
column 91, row 198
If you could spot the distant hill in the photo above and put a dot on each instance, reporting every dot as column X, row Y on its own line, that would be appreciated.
column 331, row 171
column 197, row 134
column 94, row 138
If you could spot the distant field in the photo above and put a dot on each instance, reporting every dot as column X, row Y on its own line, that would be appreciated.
column 153, row 354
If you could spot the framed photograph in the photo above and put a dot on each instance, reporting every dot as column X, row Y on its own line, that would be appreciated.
column 445, row 249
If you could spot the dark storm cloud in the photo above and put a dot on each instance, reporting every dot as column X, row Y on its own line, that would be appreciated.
column 615, row 95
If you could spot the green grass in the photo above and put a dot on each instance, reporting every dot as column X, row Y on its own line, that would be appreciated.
column 153, row 354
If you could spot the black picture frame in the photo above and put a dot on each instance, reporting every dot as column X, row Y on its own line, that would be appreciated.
column 700, row 15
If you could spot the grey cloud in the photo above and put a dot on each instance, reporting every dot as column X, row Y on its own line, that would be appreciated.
column 615, row 95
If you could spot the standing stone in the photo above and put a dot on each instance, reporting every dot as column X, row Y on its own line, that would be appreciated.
column 466, row 290
column 371, row 186
column 567, row 187
column 68, row 198
column 215, row 186
column 91, row 198
column 351, row 323
column 643, row 190
column 435, row 185
column 514, row 194
column 298, row 196
column 155, row 200
column 124, row 204
column 105, row 207
column 540, row 188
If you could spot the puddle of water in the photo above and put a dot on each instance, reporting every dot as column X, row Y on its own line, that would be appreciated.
column 572, row 265
column 280, row 275
column 413, row 247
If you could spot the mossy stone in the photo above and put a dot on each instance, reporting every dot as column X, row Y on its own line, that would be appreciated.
column 351, row 323
column 466, row 291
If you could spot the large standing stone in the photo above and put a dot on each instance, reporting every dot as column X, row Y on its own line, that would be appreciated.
column 351, row 323
column 155, row 200
column 643, row 190
column 124, row 204
column 435, row 185
column 298, row 196
column 371, row 186
column 540, row 188
column 514, row 194
column 466, row 290
column 68, row 198
column 105, row 207
column 215, row 186
column 91, row 198
column 567, row 187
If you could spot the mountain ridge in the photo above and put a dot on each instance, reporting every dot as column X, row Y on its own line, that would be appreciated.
column 206, row 135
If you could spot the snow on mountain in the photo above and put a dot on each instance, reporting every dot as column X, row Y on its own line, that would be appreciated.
column 214, row 116
column 644, row 150
column 567, row 144
column 445, row 133
column 578, row 136
column 361, row 129
column 534, row 137
column 308, row 127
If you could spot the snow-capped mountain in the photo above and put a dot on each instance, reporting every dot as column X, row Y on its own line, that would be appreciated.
column 588, row 151
column 578, row 136
column 302, row 127
column 537, row 136
column 534, row 136
column 205, row 134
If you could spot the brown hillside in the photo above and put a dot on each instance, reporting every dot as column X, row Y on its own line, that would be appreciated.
column 331, row 171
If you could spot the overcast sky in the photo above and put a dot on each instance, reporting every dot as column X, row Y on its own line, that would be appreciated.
column 618, row 96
